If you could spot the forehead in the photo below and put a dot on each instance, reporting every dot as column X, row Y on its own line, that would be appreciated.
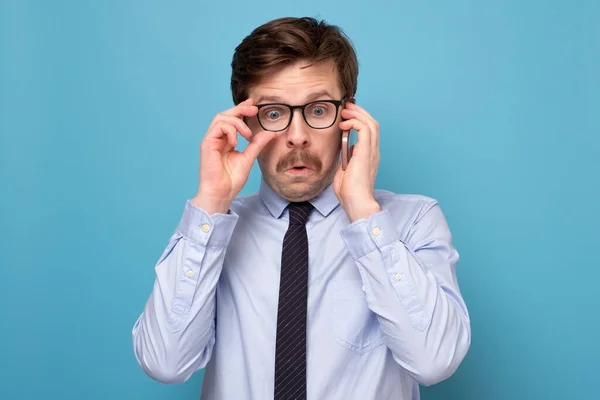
column 299, row 83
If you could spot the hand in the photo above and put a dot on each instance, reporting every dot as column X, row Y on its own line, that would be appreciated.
column 354, row 187
column 224, row 170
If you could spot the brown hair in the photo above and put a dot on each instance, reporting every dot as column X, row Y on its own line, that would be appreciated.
column 282, row 42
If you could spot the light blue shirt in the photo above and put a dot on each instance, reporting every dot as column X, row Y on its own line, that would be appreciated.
column 385, row 312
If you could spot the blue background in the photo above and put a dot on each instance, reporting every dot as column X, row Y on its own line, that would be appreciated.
column 490, row 107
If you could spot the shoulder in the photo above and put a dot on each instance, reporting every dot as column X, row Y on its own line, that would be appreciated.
column 246, row 205
column 405, row 206
column 415, row 216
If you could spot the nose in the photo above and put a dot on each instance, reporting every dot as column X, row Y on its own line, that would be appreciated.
column 297, row 132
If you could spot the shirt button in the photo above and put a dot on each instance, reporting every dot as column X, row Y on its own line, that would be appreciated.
column 376, row 231
column 190, row 273
column 398, row 277
column 363, row 288
column 205, row 228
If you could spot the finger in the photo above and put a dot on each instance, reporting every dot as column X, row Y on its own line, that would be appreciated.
column 364, row 134
column 364, row 117
column 353, row 106
column 247, row 111
column 244, row 109
column 337, row 179
column 374, row 128
column 238, row 123
column 258, row 142
column 224, row 129
column 352, row 123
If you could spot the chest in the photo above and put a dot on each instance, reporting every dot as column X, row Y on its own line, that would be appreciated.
column 248, row 290
column 253, row 258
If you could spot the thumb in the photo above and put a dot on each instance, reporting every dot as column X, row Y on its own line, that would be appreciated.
column 337, row 180
column 257, row 143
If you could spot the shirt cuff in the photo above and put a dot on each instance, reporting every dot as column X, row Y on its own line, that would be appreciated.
column 209, row 230
column 369, row 234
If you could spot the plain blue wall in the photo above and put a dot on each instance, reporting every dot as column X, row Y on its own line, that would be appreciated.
column 490, row 107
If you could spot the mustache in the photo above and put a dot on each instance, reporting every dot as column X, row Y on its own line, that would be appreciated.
column 299, row 157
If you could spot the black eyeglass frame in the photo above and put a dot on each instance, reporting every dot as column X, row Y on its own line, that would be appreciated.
column 336, row 103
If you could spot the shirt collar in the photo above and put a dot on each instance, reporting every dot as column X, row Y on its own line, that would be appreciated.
column 325, row 202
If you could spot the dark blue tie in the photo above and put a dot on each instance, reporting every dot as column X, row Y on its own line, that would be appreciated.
column 290, row 350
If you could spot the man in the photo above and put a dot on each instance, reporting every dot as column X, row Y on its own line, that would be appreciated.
column 318, row 286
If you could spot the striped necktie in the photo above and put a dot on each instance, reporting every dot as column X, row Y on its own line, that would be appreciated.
column 290, row 351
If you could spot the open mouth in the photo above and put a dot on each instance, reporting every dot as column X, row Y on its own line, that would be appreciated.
column 298, row 169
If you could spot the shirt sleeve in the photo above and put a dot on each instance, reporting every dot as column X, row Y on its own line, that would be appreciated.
column 174, row 335
column 411, row 286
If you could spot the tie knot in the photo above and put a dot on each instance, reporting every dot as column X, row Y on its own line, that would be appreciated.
column 299, row 212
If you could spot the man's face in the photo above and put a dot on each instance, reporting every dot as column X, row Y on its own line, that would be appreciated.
column 301, row 160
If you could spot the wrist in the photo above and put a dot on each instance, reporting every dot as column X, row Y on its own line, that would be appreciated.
column 362, row 210
column 211, row 205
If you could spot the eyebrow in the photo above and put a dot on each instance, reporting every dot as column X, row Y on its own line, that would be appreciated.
column 311, row 97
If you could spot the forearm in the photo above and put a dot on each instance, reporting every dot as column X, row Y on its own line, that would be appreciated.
column 174, row 336
column 425, row 328
column 415, row 296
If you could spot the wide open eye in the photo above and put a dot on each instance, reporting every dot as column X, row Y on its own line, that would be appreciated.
column 273, row 113
column 319, row 110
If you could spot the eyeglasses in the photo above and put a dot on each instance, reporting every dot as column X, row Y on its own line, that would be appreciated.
column 319, row 114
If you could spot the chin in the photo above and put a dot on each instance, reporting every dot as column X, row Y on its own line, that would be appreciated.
column 300, row 188
column 298, row 191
